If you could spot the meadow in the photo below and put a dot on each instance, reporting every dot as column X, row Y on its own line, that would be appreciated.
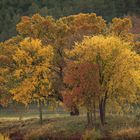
column 61, row 126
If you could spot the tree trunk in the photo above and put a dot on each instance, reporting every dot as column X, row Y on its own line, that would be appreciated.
column 94, row 113
column 18, row 110
column 40, row 112
column 20, row 115
column 104, row 109
column 102, row 114
column 89, row 119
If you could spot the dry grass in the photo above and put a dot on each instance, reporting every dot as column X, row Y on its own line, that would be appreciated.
column 2, row 137
column 70, row 128
column 127, row 133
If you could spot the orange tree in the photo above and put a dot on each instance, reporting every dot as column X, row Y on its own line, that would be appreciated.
column 83, row 88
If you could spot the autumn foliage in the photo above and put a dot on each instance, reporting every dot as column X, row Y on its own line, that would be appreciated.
column 79, row 60
column 117, row 65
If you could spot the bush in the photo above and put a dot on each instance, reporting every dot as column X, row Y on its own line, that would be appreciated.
column 92, row 135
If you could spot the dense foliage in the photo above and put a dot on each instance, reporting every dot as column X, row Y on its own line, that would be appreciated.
column 79, row 60
column 11, row 11
column 115, row 74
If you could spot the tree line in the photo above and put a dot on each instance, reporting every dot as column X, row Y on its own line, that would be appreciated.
column 11, row 11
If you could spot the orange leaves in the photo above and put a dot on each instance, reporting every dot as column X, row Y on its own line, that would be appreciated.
column 121, row 28
column 137, row 47
column 82, row 81
column 85, row 21
column 4, row 60
column 119, row 24
column 83, row 25
column 36, row 26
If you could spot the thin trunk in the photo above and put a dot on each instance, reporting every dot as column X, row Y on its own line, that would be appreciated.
column 40, row 112
column 104, row 109
column 101, row 112
column 18, row 111
column 104, row 105
column 91, row 118
column 88, row 118
column 20, row 115
column 94, row 113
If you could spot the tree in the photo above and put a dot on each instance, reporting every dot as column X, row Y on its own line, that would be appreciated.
column 32, row 72
column 5, row 71
column 4, row 96
column 118, row 69
column 61, row 34
column 83, row 87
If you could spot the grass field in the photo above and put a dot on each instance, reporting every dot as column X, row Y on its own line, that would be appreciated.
column 65, row 127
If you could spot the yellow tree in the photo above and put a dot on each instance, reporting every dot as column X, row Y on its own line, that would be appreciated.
column 51, row 32
column 4, row 72
column 119, row 69
column 32, row 63
column 7, row 49
column 6, row 63
column 61, row 34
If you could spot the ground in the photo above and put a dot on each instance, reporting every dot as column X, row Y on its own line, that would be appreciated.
column 65, row 127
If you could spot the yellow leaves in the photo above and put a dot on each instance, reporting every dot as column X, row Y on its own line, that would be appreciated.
column 46, row 52
column 91, row 46
column 43, row 52
column 30, row 44
column 119, row 65
column 23, row 92
column 18, row 73
column 30, row 50
column 33, row 62
column 21, row 56
column 4, row 71
column 136, row 77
